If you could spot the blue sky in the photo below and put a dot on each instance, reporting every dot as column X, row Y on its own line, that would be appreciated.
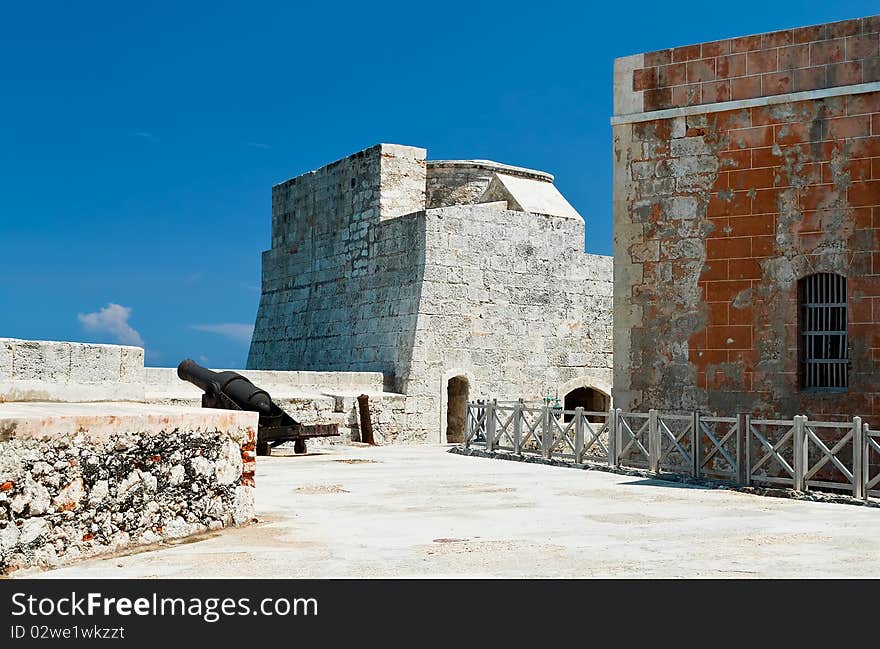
column 139, row 141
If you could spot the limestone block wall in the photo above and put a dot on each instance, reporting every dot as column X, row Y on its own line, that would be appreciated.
column 39, row 370
column 341, row 281
column 742, row 166
column 510, row 302
column 427, row 271
column 78, row 480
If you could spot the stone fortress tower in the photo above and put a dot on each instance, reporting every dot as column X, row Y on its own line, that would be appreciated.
column 457, row 279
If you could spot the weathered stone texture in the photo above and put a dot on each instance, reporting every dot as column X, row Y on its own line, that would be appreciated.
column 793, row 60
column 341, row 282
column 40, row 370
column 717, row 217
column 426, row 271
column 463, row 182
column 72, row 487
column 511, row 302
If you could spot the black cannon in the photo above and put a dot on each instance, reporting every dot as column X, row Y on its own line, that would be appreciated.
column 232, row 391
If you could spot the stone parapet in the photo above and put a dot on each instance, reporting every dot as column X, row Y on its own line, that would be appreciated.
column 42, row 370
column 78, row 480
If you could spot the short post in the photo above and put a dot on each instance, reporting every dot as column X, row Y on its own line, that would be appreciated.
column 517, row 427
column 858, row 446
column 618, row 435
column 546, row 433
column 365, row 420
column 468, row 425
column 866, row 458
column 653, row 441
column 697, row 443
column 743, row 448
column 611, row 425
column 490, row 425
column 800, row 447
column 578, row 435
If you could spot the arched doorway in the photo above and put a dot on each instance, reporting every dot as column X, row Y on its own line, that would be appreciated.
column 589, row 399
column 456, row 409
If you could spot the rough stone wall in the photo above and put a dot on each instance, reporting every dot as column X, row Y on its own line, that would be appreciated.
column 361, row 276
column 511, row 302
column 64, row 497
column 718, row 214
column 341, row 281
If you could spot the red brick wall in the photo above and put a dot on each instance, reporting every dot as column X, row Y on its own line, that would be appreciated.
column 719, row 215
column 786, row 191
column 792, row 60
column 796, row 182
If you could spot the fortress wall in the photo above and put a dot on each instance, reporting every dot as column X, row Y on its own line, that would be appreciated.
column 341, row 281
column 42, row 370
column 511, row 302
column 362, row 277
column 741, row 167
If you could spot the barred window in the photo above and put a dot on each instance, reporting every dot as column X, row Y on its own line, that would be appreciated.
column 823, row 329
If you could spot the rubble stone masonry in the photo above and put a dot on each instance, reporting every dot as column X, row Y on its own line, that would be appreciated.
column 721, row 206
column 78, row 480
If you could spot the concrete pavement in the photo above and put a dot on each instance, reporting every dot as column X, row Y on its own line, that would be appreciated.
column 418, row 511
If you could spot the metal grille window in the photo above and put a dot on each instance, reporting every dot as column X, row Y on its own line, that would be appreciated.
column 824, row 357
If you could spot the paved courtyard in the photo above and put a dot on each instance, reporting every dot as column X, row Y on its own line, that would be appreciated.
column 411, row 511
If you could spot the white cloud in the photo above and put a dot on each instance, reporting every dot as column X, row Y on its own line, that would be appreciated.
column 112, row 320
column 241, row 333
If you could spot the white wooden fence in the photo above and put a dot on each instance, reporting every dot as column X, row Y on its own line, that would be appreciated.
column 796, row 453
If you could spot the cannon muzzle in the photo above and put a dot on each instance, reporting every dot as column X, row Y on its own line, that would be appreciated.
column 231, row 384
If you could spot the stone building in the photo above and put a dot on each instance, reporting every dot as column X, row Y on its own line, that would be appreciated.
column 456, row 279
column 747, row 224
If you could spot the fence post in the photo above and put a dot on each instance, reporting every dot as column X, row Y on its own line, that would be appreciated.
column 578, row 435
column 653, row 441
column 517, row 427
column 743, row 448
column 697, row 444
column 858, row 447
column 468, row 425
column 866, row 459
column 546, row 434
column 612, row 437
column 800, row 446
column 490, row 425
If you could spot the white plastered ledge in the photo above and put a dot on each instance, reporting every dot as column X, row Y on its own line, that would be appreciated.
column 701, row 109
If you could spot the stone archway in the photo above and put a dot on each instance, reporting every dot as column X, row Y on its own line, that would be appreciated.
column 457, row 389
column 588, row 398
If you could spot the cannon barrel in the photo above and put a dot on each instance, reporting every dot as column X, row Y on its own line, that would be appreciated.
column 232, row 384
